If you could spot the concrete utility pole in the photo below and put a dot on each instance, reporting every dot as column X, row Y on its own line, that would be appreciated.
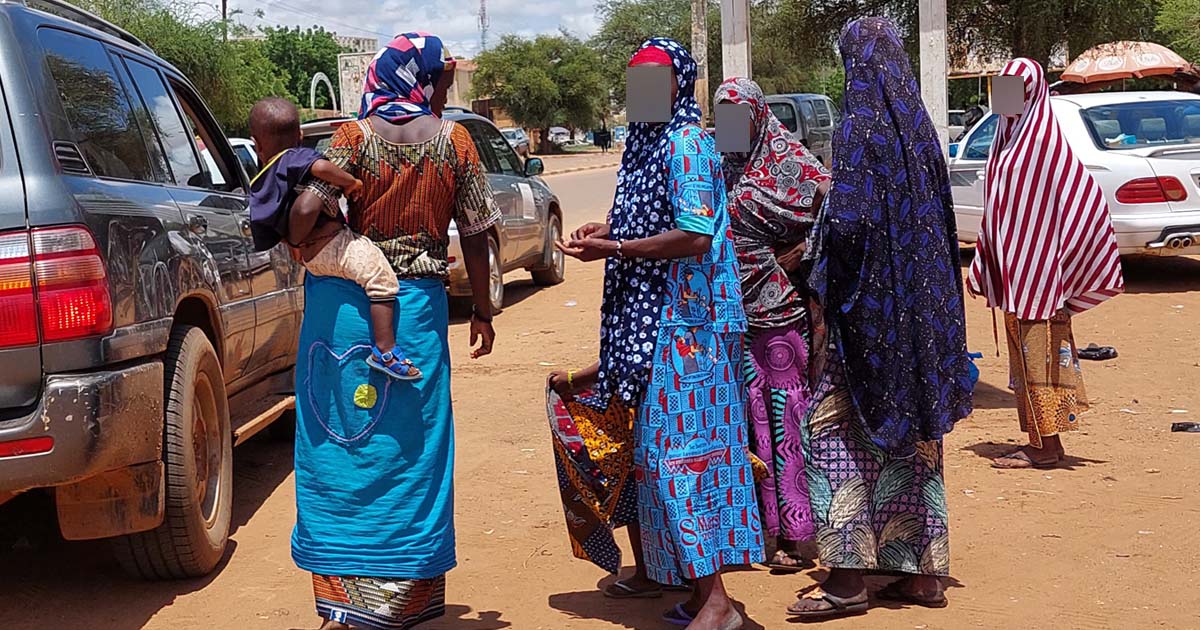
column 735, row 38
column 700, row 53
column 933, row 66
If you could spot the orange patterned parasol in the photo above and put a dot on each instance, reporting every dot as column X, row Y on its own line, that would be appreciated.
column 1124, row 60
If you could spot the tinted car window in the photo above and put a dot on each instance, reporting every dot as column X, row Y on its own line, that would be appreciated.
column 980, row 144
column 246, row 158
column 786, row 115
column 218, row 173
column 98, row 111
column 824, row 117
column 806, row 110
column 175, row 137
column 486, row 154
column 509, row 163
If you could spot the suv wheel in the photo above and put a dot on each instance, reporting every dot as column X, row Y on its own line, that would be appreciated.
column 198, row 453
column 495, row 275
column 553, row 274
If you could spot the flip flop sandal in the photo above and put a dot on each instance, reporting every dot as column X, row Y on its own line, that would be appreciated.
column 1025, row 462
column 802, row 564
column 893, row 592
column 1098, row 353
column 677, row 616
column 394, row 364
column 840, row 608
column 621, row 590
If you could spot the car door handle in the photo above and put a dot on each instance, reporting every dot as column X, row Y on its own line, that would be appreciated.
column 197, row 223
column 246, row 227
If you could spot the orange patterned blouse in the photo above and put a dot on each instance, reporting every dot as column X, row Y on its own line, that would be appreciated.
column 411, row 192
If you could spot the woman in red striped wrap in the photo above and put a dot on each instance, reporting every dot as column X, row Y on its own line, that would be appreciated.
column 1046, row 252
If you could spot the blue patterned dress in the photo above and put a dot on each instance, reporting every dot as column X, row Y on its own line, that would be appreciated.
column 696, row 501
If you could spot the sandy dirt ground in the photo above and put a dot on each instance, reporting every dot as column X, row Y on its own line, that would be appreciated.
column 1108, row 541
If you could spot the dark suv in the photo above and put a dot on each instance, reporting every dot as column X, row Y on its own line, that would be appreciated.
column 141, row 336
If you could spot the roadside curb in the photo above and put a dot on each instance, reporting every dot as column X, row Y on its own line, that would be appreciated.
column 577, row 169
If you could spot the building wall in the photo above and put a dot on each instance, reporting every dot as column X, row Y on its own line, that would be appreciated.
column 357, row 44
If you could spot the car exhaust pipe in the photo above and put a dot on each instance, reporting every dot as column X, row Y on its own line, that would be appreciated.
column 1186, row 242
column 1175, row 243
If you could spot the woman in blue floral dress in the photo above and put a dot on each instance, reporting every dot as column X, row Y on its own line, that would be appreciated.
column 695, row 489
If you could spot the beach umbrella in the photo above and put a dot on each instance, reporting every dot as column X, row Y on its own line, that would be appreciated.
column 1125, row 60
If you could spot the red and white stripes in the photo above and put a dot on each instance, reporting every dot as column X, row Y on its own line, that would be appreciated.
column 1046, row 240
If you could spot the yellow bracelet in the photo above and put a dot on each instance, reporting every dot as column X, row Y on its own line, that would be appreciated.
column 571, row 379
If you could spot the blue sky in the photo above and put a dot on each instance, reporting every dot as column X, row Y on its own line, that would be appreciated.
column 456, row 21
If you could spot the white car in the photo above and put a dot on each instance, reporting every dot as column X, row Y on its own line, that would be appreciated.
column 246, row 154
column 1143, row 149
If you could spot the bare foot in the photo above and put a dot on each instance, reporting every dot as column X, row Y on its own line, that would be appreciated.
column 717, row 614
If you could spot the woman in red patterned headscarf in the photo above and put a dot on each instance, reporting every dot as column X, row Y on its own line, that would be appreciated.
column 774, row 191
column 1046, row 251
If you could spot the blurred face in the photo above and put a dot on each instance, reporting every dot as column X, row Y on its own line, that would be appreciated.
column 441, row 92
column 674, row 79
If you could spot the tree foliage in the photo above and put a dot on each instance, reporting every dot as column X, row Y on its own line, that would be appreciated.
column 230, row 75
column 302, row 53
column 541, row 82
column 1179, row 23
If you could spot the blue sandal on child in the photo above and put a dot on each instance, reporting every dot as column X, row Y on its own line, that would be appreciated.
column 394, row 364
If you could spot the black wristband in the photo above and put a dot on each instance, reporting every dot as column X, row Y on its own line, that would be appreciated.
column 475, row 315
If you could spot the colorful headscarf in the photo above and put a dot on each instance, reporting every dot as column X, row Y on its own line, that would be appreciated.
column 1047, row 239
column 771, row 193
column 633, row 288
column 401, row 79
column 888, row 270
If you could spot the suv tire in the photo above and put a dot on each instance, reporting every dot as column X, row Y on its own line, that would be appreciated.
column 198, row 458
column 495, row 275
column 553, row 274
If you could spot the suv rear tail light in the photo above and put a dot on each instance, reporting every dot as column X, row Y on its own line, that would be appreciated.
column 1152, row 190
column 69, row 297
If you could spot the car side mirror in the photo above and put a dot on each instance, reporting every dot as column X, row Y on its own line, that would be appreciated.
column 534, row 167
column 954, row 150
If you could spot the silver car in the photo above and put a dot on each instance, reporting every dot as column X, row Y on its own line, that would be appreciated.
column 1142, row 148
column 531, row 214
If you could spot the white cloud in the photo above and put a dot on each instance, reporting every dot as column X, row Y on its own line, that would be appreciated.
column 455, row 21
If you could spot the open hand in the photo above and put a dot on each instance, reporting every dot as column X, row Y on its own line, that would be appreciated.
column 588, row 249
column 593, row 230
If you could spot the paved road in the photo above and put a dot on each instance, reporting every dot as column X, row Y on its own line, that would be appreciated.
column 1099, row 544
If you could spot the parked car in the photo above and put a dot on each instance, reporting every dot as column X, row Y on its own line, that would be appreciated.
column 955, row 123
column 246, row 154
column 532, row 214
column 141, row 335
column 811, row 118
column 1143, row 149
column 517, row 140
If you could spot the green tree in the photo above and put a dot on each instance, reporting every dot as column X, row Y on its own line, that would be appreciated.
column 542, row 82
column 1179, row 23
column 302, row 53
column 229, row 74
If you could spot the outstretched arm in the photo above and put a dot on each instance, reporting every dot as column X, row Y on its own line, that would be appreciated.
column 331, row 173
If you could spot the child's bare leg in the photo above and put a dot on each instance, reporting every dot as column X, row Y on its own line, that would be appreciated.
column 382, row 317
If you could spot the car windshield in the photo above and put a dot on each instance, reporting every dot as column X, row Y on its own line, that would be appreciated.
column 1144, row 124
column 956, row 119
column 317, row 142
column 509, row 134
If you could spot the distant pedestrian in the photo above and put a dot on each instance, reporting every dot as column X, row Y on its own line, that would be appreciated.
column 1046, row 252
column 893, row 374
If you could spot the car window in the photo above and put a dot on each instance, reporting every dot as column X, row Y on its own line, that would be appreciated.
column 810, row 117
column 824, row 117
column 786, row 115
column 181, row 154
column 979, row 145
column 99, row 115
column 246, row 157
column 487, row 154
column 955, row 119
column 218, row 172
column 1142, row 124
column 509, row 163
